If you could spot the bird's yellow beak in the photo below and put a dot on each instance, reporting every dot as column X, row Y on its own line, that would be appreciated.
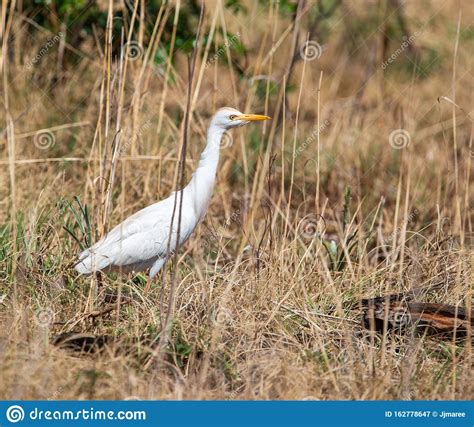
column 252, row 117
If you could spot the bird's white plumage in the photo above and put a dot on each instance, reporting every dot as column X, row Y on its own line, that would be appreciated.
column 143, row 241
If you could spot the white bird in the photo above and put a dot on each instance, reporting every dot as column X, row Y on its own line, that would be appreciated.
column 143, row 241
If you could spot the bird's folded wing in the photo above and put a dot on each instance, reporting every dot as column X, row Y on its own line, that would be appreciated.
column 145, row 220
column 142, row 236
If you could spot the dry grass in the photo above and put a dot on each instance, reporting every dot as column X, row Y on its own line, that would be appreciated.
column 260, row 312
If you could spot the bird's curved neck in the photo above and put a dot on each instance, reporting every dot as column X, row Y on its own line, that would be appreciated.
column 202, row 182
column 210, row 155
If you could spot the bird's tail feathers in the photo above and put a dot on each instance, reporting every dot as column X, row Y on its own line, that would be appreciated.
column 89, row 263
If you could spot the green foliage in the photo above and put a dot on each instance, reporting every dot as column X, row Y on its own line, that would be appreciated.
column 264, row 87
column 428, row 62
column 139, row 279
column 181, row 349
column 82, row 18
column 466, row 34
column 236, row 6
column 80, row 220
column 7, row 244
column 255, row 140
column 79, row 17
column 222, row 43
column 338, row 253
column 285, row 7
column 5, row 252
column 323, row 17
column 236, row 171
column 63, row 8
column 228, row 367
column 314, row 356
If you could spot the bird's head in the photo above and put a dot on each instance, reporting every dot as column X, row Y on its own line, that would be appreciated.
column 228, row 118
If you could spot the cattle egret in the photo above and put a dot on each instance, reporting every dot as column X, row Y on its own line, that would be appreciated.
column 144, row 241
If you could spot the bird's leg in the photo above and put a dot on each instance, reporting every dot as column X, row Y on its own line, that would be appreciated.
column 100, row 283
column 148, row 285
column 155, row 268
column 94, row 291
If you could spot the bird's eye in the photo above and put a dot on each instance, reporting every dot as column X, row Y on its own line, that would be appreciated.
column 232, row 117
